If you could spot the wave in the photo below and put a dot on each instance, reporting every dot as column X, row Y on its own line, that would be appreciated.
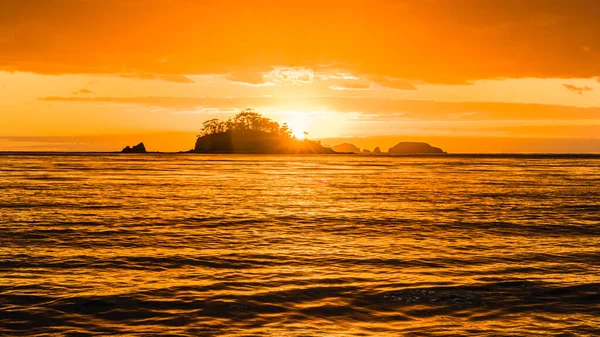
column 188, row 305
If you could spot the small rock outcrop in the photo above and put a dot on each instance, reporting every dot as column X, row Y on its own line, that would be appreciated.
column 365, row 151
column 415, row 148
column 346, row 148
column 140, row 148
column 377, row 150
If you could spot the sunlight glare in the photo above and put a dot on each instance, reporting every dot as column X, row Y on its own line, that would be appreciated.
column 299, row 123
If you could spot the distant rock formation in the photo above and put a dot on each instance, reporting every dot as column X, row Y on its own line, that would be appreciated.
column 365, row 151
column 346, row 148
column 377, row 150
column 414, row 148
column 140, row 148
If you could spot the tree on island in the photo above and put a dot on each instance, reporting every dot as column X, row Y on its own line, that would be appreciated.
column 250, row 132
column 245, row 121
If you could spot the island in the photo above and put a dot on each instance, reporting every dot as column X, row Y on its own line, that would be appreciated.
column 249, row 132
column 346, row 148
column 415, row 148
column 140, row 148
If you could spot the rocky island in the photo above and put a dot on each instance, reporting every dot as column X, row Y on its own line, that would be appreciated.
column 414, row 148
column 346, row 148
column 140, row 148
column 400, row 148
column 249, row 132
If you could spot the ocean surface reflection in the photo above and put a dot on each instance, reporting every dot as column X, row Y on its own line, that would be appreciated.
column 192, row 245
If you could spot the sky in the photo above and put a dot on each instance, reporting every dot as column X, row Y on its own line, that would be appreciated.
column 464, row 75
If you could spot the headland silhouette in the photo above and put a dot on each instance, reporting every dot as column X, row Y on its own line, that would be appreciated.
column 249, row 132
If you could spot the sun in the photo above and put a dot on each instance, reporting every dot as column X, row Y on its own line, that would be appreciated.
column 299, row 124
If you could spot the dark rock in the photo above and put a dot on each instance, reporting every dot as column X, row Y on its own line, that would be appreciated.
column 257, row 142
column 414, row 148
column 366, row 151
column 346, row 148
column 140, row 148
column 377, row 150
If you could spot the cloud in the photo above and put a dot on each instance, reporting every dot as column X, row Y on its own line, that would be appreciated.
column 155, row 77
column 251, row 78
column 393, row 83
column 272, row 76
column 576, row 89
column 176, row 103
column 325, row 74
column 83, row 91
column 176, row 79
column 346, row 79
column 388, row 109
column 351, row 86
column 293, row 75
column 485, row 39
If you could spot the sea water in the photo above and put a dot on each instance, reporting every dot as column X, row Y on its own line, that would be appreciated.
column 328, row 245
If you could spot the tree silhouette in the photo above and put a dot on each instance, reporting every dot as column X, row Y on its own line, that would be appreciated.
column 246, row 120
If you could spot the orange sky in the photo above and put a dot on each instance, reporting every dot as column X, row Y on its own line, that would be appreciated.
column 459, row 72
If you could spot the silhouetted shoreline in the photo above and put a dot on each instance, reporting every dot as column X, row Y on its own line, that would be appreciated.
column 248, row 132
column 383, row 155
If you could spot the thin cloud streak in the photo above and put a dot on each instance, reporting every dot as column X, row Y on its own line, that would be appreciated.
column 83, row 92
column 422, row 110
column 576, row 89
column 154, row 77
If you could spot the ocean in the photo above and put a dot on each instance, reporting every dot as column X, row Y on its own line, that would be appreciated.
column 328, row 245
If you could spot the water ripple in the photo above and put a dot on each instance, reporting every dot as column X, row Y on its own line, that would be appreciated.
column 184, row 245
